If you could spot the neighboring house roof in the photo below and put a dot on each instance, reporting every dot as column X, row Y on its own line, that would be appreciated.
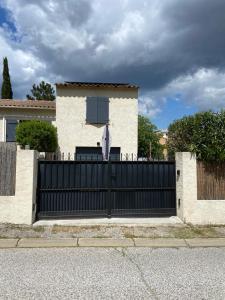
column 35, row 104
column 97, row 85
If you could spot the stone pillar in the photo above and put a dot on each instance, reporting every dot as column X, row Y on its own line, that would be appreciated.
column 20, row 209
column 186, row 185
column 26, row 183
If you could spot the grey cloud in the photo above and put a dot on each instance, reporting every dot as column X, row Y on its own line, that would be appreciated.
column 76, row 12
column 195, row 32
column 149, row 43
column 202, row 27
column 195, row 39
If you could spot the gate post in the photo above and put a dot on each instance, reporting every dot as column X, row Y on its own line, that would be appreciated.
column 26, row 181
column 20, row 208
column 186, row 184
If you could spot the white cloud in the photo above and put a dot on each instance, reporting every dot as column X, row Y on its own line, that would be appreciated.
column 24, row 66
column 205, row 89
column 121, row 31
column 148, row 107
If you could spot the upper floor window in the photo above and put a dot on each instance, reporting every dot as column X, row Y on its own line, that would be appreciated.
column 97, row 110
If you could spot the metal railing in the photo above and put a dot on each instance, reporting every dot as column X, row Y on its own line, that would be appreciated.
column 62, row 156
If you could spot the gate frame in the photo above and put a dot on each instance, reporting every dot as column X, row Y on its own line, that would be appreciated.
column 108, row 210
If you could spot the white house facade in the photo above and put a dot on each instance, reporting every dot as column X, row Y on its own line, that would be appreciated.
column 84, row 109
column 14, row 111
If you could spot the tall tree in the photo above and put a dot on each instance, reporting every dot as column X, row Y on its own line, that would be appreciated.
column 148, row 139
column 43, row 91
column 6, row 83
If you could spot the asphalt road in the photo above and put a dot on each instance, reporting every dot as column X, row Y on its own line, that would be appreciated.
column 96, row 273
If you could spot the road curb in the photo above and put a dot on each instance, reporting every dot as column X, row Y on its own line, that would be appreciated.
column 47, row 243
column 110, row 242
column 8, row 243
column 160, row 243
column 201, row 242
column 105, row 242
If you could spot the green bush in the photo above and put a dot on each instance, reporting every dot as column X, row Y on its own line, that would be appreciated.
column 39, row 135
column 148, row 135
column 202, row 133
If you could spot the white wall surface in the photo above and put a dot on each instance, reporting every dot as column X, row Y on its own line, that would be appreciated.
column 192, row 210
column 18, row 209
column 71, row 123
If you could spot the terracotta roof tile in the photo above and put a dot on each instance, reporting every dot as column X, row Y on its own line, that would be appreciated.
column 39, row 104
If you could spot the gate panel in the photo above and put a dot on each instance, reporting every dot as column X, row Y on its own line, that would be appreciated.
column 143, row 188
column 99, row 188
column 72, row 188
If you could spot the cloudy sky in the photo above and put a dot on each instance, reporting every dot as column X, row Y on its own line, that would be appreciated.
column 173, row 49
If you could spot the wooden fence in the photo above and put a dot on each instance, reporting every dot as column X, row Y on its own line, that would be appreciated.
column 211, row 181
column 7, row 168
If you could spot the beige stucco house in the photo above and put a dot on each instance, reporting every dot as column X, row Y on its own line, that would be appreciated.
column 80, row 113
column 84, row 109
column 14, row 111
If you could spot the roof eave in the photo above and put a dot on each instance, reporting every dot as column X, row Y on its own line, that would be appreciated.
column 104, row 87
column 30, row 107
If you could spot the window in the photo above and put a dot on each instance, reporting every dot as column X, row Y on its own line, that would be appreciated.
column 11, row 130
column 97, row 110
column 95, row 153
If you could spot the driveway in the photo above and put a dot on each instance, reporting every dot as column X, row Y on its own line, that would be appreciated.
column 107, row 273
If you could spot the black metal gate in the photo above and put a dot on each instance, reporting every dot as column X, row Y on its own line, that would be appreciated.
column 69, row 189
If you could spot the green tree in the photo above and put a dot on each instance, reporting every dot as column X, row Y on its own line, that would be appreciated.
column 39, row 135
column 43, row 91
column 148, row 139
column 202, row 133
column 6, row 83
